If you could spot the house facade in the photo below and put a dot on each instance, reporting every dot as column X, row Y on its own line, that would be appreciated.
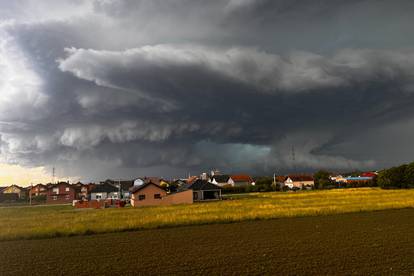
column 122, row 186
column 105, row 191
column 20, row 192
column 83, row 191
column 60, row 193
column 150, row 194
column 299, row 181
column 240, row 180
column 38, row 190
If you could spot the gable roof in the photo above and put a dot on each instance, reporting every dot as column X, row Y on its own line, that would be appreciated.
column 21, row 189
column 300, row 177
column 280, row 178
column 125, row 184
column 242, row 178
column 135, row 189
column 191, row 179
column 221, row 178
column 39, row 185
column 200, row 185
column 104, row 188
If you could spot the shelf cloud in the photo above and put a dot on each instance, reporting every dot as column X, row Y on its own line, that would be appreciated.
column 108, row 88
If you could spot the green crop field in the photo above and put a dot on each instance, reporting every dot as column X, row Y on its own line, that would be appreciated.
column 54, row 221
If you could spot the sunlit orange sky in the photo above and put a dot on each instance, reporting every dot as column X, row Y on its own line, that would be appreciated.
column 16, row 174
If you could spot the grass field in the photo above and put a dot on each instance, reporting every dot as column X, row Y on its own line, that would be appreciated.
column 55, row 221
column 365, row 243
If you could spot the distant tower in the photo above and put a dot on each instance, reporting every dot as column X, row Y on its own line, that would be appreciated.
column 293, row 159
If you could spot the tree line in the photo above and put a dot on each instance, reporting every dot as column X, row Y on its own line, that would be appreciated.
column 397, row 177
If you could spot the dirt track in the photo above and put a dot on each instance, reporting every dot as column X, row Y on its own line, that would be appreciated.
column 363, row 243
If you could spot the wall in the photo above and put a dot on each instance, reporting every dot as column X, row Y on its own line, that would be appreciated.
column 149, row 192
column 185, row 197
column 300, row 184
column 63, row 196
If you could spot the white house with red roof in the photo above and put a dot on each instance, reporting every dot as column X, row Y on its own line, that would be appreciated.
column 240, row 180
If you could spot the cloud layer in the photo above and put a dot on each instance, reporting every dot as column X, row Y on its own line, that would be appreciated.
column 125, row 88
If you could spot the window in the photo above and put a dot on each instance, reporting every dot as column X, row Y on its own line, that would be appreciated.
column 141, row 197
column 54, row 197
column 67, row 197
column 55, row 190
column 157, row 196
column 98, row 196
column 67, row 189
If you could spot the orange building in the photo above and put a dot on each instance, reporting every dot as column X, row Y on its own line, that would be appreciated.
column 150, row 194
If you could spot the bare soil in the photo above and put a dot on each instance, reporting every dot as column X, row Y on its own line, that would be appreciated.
column 374, row 243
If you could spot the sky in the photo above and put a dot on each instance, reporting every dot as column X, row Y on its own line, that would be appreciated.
column 119, row 89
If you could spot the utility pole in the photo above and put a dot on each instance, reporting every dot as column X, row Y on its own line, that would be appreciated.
column 30, row 193
column 119, row 189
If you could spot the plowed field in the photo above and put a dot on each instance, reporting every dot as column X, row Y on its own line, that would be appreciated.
column 374, row 243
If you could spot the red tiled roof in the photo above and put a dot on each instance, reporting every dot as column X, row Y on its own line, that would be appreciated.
column 368, row 174
column 280, row 178
column 242, row 178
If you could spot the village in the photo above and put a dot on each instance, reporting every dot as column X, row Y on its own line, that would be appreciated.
column 151, row 191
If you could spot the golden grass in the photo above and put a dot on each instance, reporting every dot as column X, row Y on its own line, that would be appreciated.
column 51, row 221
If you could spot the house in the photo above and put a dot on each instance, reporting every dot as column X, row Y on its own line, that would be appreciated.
column 149, row 194
column 21, row 192
column 38, row 190
column 60, row 193
column 123, row 185
column 83, row 190
column 220, row 180
column 204, row 190
column 240, row 180
column 299, row 181
column 105, row 191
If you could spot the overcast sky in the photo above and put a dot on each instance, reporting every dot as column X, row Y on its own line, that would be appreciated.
column 108, row 88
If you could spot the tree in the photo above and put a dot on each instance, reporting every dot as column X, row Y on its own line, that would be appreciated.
column 264, row 183
column 321, row 179
column 394, row 177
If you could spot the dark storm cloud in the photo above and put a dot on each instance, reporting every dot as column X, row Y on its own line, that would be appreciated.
column 123, row 88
